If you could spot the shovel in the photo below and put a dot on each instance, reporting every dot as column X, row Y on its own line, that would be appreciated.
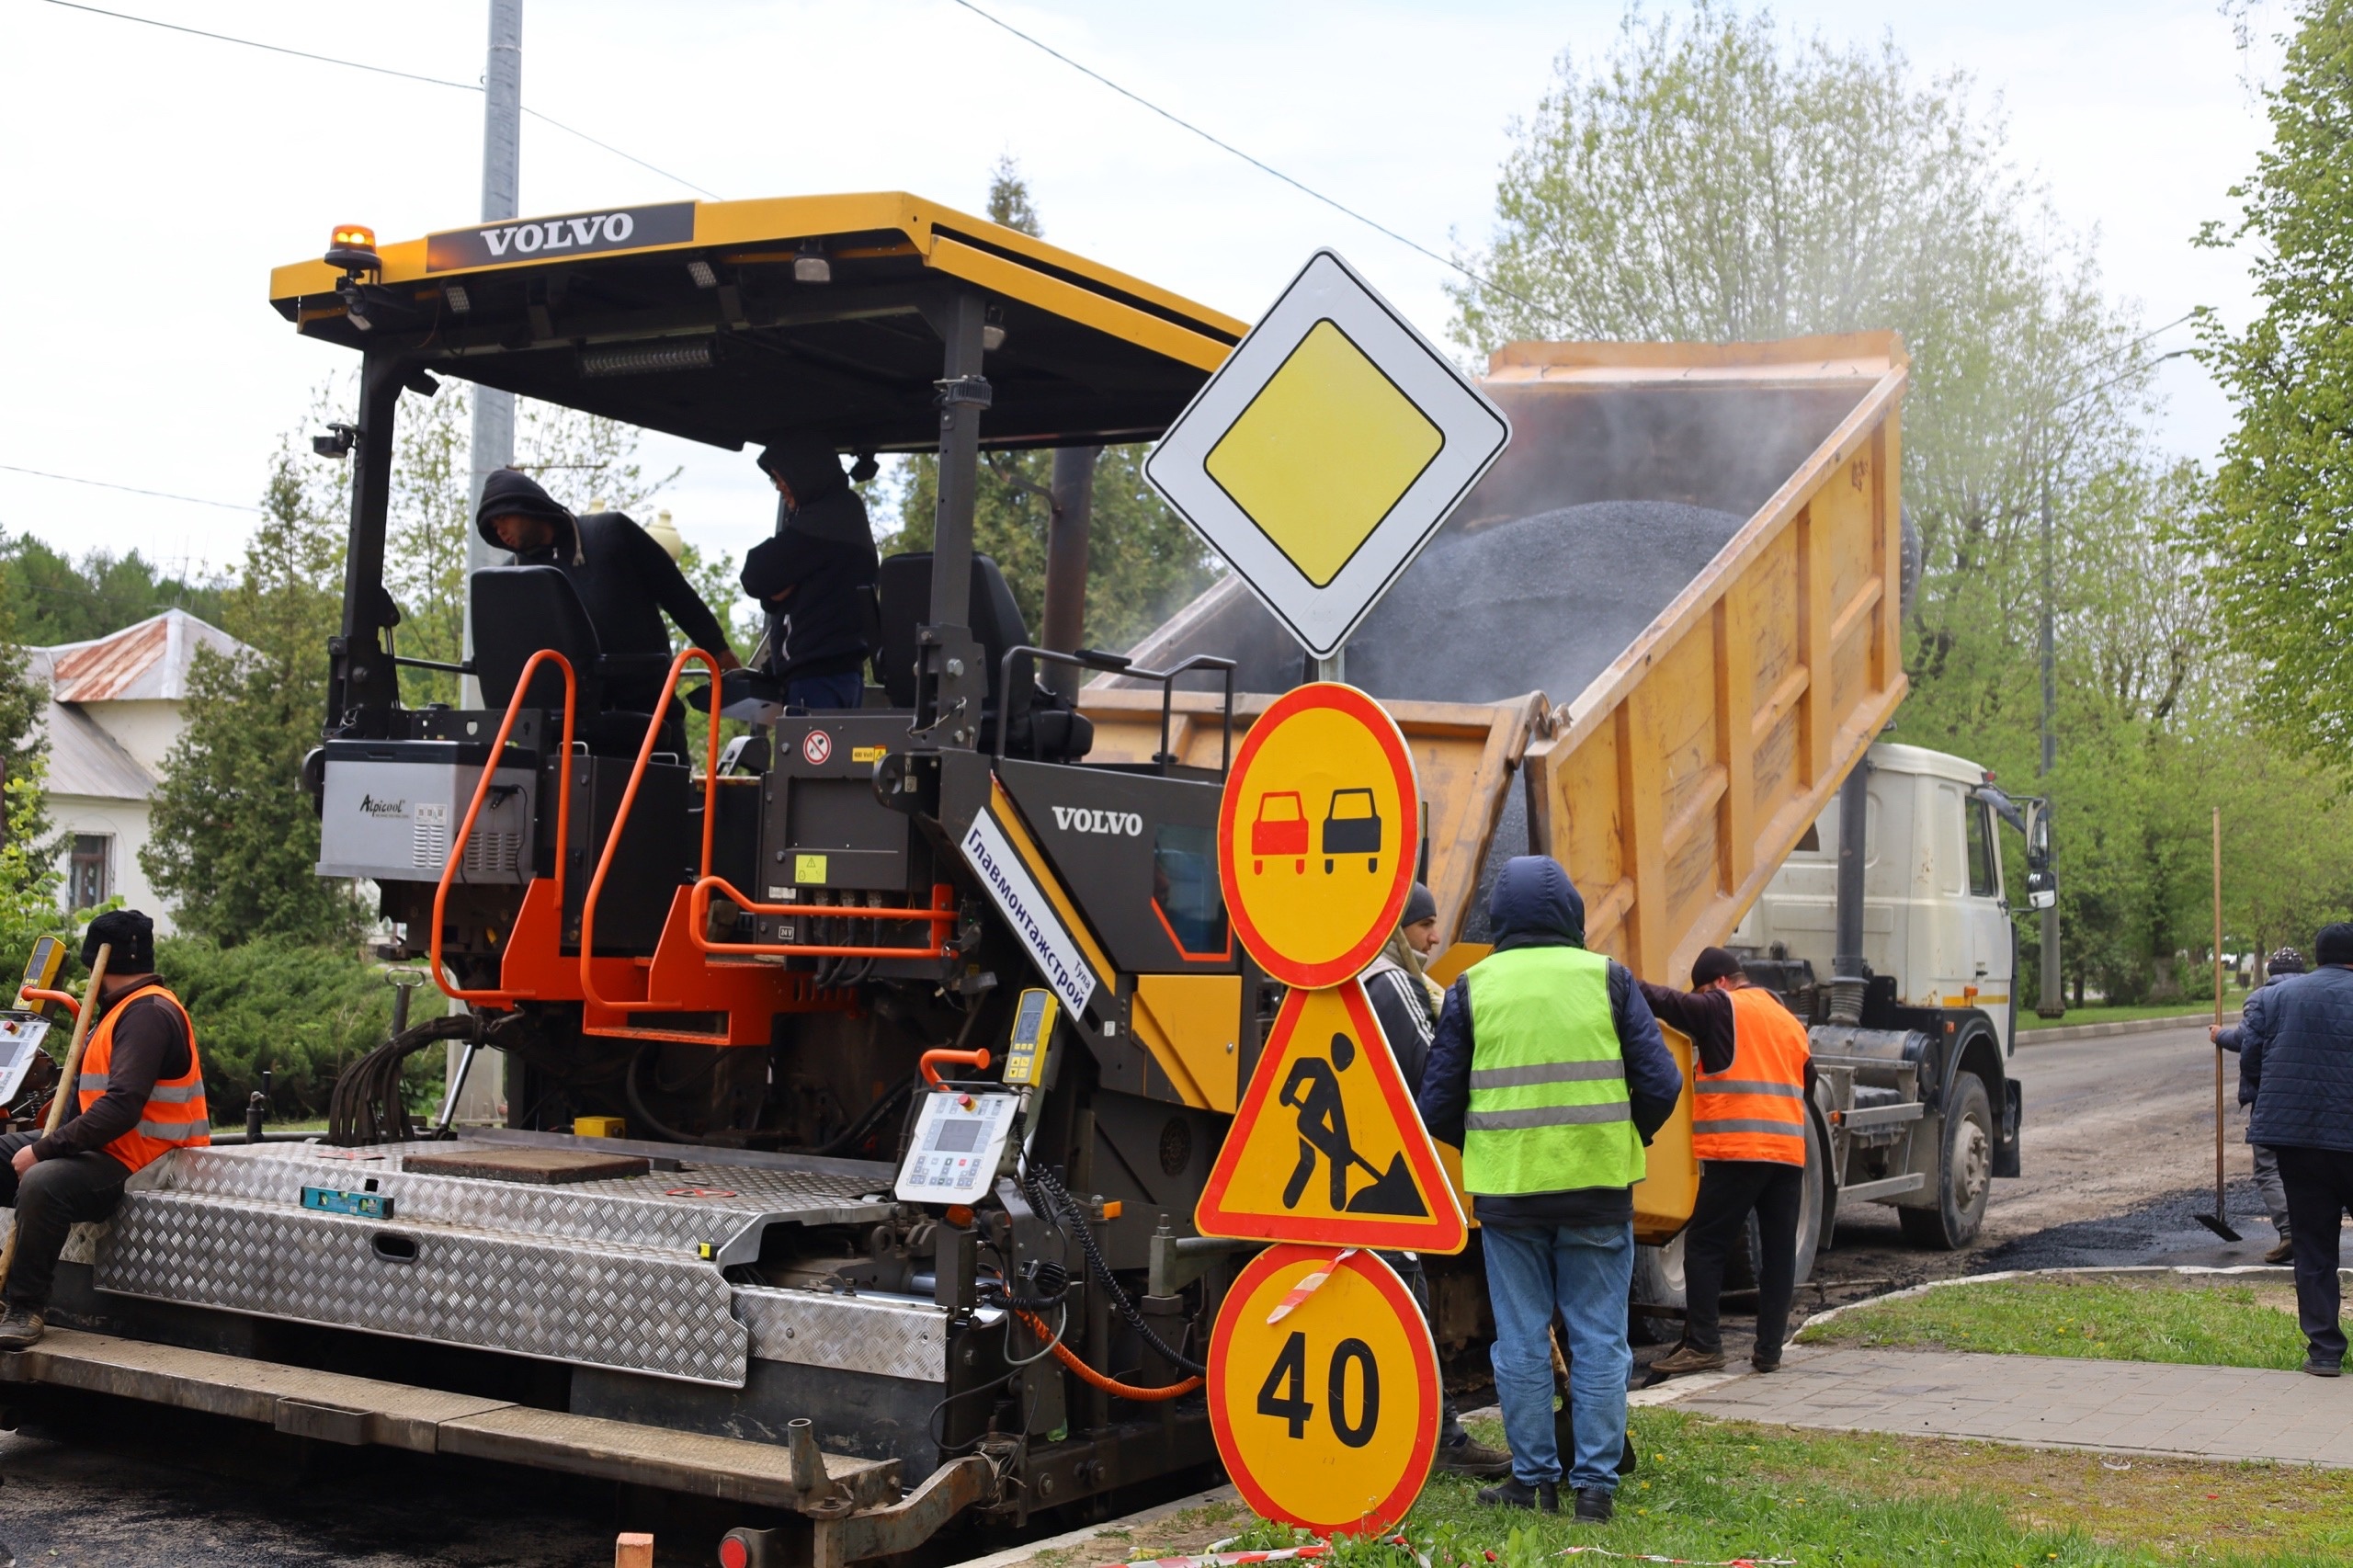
column 2214, row 1221
column 68, row 1075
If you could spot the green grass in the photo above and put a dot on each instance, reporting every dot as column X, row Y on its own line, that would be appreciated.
column 2102, row 1014
column 2218, row 1326
column 1712, row 1491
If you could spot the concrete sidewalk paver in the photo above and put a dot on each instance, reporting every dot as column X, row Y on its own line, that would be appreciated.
column 2145, row 1407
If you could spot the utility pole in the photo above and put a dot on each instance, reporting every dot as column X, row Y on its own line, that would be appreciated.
column 502, row 134
column 2052, row 1003
column 477, row 1083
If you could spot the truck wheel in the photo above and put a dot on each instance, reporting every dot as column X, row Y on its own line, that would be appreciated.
column 1658, row 1281
column 1813, row 1207
column 1964, row 1172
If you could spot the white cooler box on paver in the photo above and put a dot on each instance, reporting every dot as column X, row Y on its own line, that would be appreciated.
column 391, row 808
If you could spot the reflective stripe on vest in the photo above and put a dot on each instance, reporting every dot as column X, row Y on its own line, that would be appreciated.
column 1548, row 1111
column 1754, row 1109
column 175, row 1116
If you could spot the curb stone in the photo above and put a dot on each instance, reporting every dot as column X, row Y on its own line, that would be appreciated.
column 2062, row 1033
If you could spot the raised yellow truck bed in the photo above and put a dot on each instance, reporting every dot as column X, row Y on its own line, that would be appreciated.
column 1668, row 614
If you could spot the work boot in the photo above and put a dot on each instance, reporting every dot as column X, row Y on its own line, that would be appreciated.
column 1468, row 1456
column 1594, row 1505
column 1684, row 1359
column 2285, row 1252
column 2320, row 1369
column 21, row 1327
column 1765, row 1363
column 1544, row 1496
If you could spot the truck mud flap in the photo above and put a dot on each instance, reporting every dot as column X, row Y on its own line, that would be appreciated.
column 2006, row 1147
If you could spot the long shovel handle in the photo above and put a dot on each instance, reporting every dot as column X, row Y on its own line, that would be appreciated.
column 2219, row 1212
column 66, row 1077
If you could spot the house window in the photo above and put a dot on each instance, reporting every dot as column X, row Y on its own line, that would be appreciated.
column 88, row 883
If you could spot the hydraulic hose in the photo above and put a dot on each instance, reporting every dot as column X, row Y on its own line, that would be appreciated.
column 1109, row 1385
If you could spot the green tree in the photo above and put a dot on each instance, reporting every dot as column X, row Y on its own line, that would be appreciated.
column 235, row 836
column 1711, row 178
column 1142, row 561
column 2280, row 536
column 59, row 600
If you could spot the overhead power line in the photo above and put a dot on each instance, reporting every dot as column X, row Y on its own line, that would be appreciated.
column 1258, row 164
column 133, row 489
column 381, row 70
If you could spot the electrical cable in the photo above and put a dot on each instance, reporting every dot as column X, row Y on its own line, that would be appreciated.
column 1044, row 1182
column 1061, row 1327
column 381, row 70
column 1111, row 1385
column 1258, row 164
column 133, row 489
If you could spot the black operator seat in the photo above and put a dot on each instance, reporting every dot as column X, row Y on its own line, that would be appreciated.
column 518, row 611
column 1040, row 726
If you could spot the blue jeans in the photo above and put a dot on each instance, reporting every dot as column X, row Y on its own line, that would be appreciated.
column 814, row 692
column 1584, row 1272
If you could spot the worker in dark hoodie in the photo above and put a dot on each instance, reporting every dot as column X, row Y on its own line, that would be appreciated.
column 816, row 578
column 1549, row 1070
column 625, row 578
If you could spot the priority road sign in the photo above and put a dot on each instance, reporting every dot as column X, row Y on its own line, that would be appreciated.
column 1327, row 1145
column 1324, row 1393
column 1325, row 451
column 1315, row 833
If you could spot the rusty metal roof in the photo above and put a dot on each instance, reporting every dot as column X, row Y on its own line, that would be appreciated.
column 149, row 661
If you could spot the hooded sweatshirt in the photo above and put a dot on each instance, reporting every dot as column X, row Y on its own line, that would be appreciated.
column 1534, row 904
column 823, row 562
column 625, row 580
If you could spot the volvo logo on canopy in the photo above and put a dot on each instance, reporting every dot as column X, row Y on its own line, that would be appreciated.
column 1325, row 452
column 575, row 234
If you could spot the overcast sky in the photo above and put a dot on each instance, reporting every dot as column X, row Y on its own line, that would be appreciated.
column 153, row 178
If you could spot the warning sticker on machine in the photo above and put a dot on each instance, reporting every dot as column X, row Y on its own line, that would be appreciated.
column 1032, row 918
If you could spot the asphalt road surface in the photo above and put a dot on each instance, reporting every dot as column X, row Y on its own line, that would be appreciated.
column 2118, row 1154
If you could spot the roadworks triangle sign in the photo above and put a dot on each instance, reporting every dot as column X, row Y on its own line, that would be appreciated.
column 1328, row 1146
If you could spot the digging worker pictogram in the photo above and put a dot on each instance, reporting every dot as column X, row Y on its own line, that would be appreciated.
column 141, row 1095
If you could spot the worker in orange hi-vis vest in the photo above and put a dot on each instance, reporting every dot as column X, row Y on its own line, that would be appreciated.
column 1748, row 1129
column 140, row 1094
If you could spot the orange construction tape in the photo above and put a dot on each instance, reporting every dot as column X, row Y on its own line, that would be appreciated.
column 1068, row 1357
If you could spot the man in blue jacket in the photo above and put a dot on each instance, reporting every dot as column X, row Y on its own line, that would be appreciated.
column 1548, row 1070
column 2297, row 1051
column 2285, row 965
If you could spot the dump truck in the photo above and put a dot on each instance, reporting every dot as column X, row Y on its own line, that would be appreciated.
column 862, row 1071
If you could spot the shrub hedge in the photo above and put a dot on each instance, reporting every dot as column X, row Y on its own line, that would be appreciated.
column 301, row 1011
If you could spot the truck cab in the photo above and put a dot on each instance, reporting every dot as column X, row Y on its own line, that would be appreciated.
column 1934, row 915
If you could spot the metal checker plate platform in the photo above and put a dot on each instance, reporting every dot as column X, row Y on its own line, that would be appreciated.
column 605, row 1273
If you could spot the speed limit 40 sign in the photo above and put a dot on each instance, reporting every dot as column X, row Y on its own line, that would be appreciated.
column 1323, row 1390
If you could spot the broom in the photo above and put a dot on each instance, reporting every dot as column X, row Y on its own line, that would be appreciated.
column 66, row 1077
column 2214, row 1221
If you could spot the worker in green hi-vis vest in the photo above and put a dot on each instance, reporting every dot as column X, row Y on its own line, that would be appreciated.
column 1548, row 1069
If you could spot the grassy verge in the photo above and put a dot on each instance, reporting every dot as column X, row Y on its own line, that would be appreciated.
column 2204, row 1007
column 2164, row 1320
column 1715, row 1490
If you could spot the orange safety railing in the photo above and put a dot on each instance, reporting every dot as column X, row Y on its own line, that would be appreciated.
column 940, row 916
column 65, row 999
column 620, row 823
column 482, row 792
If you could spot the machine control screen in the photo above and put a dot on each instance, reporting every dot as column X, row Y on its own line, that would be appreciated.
column 957, row 1146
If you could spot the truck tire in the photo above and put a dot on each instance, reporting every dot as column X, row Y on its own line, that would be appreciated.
column 1964, row 1172
column 1658, row 1281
